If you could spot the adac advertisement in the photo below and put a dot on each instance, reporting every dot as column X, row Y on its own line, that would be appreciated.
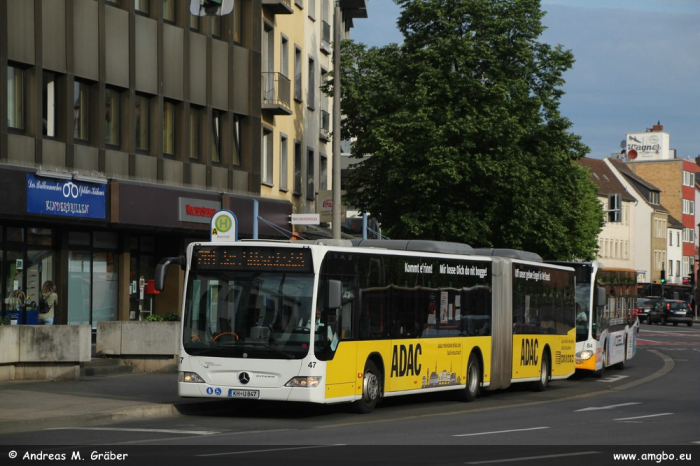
column 68, row 198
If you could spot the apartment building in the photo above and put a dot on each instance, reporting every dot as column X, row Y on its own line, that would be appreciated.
column 126, row 124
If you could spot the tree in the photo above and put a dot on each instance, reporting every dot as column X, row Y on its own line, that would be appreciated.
column 463, row 127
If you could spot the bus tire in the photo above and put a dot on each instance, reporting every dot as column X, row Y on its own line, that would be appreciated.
column 621, row 365
column 473, row 386
column 545, row 373
column 371, row 389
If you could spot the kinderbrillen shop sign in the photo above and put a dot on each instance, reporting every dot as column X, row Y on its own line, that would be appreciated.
column 68, row 198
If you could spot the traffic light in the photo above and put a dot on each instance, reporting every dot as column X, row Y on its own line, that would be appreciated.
column 663, row 276
column 691, row 276
column 211, row 7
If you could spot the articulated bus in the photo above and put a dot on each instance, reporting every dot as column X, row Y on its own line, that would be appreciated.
column 355, row 321
column 606, row 325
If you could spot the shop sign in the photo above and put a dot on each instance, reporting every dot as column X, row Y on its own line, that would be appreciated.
column 197, row 210
column 324, row 205
column 68, row 198
column 306, row 219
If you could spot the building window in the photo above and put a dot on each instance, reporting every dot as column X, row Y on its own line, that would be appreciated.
column 141, row 6
column 283, row 162
column 48, row 104
column 312, row 84
column 168, row 127
column 194, row 133
column 111, row 117
column 141, row 112
column 194, row 22
column 81, row 114
column 670, row 268
column 236, row 140
column 670, row 238
column 311, row 8
column 284, row 57
column 15, row 97
column 688, row 179
column 267, row 156
column 310, row 190
column 297, row 74
column 236, row 18
column 216, row 26
column 297, row 168
column 216, row 136
column 678, row 268
column 169, row 11
column 688, row 235
column 688, row 207
column 323, row 172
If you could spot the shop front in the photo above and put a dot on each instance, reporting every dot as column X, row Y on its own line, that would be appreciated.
column 97, row 242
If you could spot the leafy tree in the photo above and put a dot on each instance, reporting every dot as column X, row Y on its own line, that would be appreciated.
column 463, row 127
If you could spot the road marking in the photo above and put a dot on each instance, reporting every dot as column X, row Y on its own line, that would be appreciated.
column 642, row 417
column 613, row 378
column 606, row 407
column 271, row 449
column 159, row 431
column 500, row 432
column 528, row 458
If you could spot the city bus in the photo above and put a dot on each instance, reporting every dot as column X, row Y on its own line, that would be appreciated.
column 333, row 321
column 606, row 324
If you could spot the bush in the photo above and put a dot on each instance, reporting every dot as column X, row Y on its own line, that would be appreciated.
column 171, row 317
column 154, row 318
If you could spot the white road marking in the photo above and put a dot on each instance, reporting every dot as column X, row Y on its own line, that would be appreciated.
column 528, row 458
column 159, row 431
column 642, row 417
column 606, row 407
column 613, row 378
column 500, row 432
column 270, row 449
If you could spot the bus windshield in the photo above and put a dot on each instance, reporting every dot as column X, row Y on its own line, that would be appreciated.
column 240, row 314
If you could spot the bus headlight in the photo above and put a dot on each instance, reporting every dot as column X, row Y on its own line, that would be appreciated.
column 304, row 382
column 584, row 355
column 189, row 377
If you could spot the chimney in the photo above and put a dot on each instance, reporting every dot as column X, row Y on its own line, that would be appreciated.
column 658, row 127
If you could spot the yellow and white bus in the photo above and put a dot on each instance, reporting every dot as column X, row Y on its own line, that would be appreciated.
column 340, row 321
column 606, row 323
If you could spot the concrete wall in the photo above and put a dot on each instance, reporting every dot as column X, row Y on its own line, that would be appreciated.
column 42, row 352
column 138, row 338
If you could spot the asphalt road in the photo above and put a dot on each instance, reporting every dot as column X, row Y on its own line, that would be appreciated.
column 653, row 404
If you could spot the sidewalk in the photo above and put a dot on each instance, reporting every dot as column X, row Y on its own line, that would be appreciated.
column 30, row 405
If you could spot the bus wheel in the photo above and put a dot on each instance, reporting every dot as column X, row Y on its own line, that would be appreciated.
column 543, row 382
column 621, row 365
column 471, row 391
column 371, row 389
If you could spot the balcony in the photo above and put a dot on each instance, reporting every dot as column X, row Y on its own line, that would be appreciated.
column 325, row 37
column 276, row 92
column 278, row 7
column 325, row 132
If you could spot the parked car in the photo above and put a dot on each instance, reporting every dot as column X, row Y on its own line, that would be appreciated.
column 643, row 306
column 671, row 310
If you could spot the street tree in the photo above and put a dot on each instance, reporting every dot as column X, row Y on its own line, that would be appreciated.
column 459, row 135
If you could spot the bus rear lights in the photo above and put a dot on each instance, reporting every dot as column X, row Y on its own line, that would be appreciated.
column 584, row 355
column 190, row 377
column 304, row 382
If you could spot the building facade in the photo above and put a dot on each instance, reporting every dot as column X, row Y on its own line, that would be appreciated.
column 126, row 124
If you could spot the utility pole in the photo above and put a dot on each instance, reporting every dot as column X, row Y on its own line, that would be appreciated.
column 335, row 218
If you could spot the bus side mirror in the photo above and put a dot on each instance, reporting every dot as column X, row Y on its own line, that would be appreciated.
column 335, row 293
column 600, row 299
column 162, row 270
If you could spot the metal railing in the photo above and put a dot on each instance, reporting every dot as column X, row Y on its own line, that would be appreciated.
column 276, row 89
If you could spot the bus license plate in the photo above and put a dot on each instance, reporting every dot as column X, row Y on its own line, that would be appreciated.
column 244, row 394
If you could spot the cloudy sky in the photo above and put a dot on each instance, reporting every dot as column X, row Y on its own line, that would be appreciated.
column 637, row 63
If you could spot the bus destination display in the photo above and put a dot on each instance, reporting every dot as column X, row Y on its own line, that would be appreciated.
column 252, row 258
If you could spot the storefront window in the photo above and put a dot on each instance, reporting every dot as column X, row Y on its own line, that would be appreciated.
column 13, row 270
column 15, row 235
column 39, row 236
column 79, row 293
column 105, row 280
column 143, row 264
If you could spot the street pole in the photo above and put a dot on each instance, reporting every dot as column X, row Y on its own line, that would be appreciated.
column 335, row 218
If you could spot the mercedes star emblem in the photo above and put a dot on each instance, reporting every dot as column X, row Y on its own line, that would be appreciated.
column 244, row 378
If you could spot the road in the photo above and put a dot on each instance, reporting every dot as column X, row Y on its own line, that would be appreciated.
column 655, row 400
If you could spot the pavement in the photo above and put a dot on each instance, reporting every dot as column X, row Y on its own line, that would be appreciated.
column 95, row 400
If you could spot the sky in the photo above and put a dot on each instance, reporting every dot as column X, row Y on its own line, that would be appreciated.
column 637, row 64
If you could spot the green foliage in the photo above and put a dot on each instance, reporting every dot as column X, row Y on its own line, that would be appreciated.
column 171, row 317
column 154, row 318
column 4, row 321
column 462, row 121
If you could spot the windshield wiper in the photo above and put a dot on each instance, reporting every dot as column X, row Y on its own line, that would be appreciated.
column 274, row 350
